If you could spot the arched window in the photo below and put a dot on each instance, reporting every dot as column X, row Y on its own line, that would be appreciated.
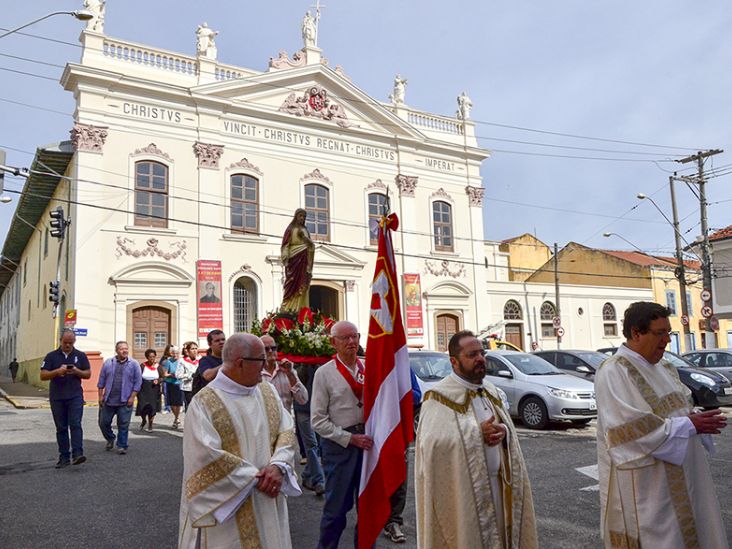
column 442, row 221
column 547, row 313
column 377, row 207
column 609, row 320
column 245, row 304
column 244, row 204
column 317, row 204
column 512, row 311
column 151, row 194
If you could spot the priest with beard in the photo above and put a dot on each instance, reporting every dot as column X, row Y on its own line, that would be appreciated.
column 471, row 485
column 238, row 457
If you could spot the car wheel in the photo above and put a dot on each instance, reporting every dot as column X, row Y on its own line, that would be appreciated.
column 533, row 413
column 580, row 422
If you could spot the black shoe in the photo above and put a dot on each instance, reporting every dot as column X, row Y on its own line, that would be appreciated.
column 62, row 463
column 78, row 460
column 109, row 446
column 319, row 490
column 308, row 485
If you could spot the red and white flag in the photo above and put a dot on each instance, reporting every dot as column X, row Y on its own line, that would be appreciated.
column 387, row 395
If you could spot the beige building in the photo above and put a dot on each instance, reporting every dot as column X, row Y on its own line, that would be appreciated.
column 177, row 158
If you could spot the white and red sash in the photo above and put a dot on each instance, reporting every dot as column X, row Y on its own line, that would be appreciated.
column 356, row 384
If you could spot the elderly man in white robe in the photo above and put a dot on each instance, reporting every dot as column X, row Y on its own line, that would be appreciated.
column 238, row 457
column 655, row 486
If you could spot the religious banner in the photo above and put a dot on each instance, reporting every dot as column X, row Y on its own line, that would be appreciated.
column 387, row 394
column 70, row 318
column 208, row 284
column 413, row 305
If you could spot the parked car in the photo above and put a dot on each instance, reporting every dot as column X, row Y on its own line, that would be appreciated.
column 430, row 367
column 718, row 360
column 539, row 392
column 582, row 364
column 495, row 344
column 709, row 389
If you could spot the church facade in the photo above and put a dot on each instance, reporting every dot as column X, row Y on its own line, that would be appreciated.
column 182, row 174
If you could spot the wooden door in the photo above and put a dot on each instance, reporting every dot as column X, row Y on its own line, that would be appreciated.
column 447, row 325
column 150, row 330
column 515, row 335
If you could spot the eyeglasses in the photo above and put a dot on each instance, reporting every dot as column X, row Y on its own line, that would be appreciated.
column 355, row 337
column 660, row 333
column 270, row 348
column 253, row 359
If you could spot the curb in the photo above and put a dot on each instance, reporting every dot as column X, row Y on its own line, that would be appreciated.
column 15, row 403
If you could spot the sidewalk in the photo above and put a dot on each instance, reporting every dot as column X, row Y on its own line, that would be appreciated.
column 22, row 395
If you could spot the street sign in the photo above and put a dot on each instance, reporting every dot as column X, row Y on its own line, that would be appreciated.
column 685, row 320
column 81, row 332
column 560, row 331
column 706, row 295
column 556, row 322
column 706, row 311
column 714, row 323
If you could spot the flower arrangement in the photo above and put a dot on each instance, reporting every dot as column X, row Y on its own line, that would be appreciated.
column 303, row 335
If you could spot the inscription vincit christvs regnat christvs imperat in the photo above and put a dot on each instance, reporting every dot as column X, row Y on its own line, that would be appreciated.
column 266, row 133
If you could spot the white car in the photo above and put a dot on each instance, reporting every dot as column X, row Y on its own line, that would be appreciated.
column 538, row 391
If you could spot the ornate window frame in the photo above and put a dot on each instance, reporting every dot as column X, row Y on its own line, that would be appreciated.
column 151, row 153
column 318, row 179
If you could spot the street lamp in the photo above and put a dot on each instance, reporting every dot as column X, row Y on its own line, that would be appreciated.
column 81, row 15
column 621, row 237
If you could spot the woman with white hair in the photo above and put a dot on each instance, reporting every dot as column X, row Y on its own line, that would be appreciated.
column 175, row 395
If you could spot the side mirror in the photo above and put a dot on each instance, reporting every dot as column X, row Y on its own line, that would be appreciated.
column 505, row 373
column 584, row 370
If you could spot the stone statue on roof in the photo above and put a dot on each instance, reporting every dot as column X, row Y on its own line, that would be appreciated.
column 400, row 87
column 96, row 7
column 464, row 106
column 205, row 45
column 309, row 30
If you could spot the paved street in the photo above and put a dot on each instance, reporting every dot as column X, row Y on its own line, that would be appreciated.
column 128, row 501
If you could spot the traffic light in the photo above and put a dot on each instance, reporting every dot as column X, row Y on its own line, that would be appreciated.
column 58, row 223
column 53, row 291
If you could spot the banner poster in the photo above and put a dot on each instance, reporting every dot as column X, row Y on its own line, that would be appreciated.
column 413, row 305
column 208, row 283
column 70, row 318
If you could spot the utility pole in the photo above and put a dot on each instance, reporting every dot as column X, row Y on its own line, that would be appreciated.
column 556, row 291
column 699, row 157
column 680, row 271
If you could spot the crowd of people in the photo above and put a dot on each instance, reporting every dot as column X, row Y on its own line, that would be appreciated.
column 252, row 410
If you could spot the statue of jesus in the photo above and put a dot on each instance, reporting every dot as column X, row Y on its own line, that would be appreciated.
column 297, row 253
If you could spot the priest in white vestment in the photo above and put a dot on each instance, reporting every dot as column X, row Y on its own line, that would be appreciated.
column 238, row 458
column 656, row 490
column 471, row 486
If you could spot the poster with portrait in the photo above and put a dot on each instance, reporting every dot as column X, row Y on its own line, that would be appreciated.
column 413, row 305
column 208, row 284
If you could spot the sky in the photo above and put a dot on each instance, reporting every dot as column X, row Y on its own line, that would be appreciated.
column 648, row 81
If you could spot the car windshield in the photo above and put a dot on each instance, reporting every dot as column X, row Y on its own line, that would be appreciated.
column 593, row 358
column 677, row 360
column 430, row 366
column 532, row 365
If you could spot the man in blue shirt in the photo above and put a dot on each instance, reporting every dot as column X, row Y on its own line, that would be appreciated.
column 119, row 383
column 65, row 368
column 210, row 364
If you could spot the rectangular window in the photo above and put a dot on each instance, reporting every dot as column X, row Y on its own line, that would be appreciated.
column 140, row 340
column 244, row 204
column 161, row 339
column 611, row 330
column 317, row 204
column 151, row 194
column 45, row 243
column 671, row 301
column 690, row 304
column 377, row 205
column 442, row 223
column 547, row 330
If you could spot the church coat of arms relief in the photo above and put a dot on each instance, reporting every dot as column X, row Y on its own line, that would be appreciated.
column 315, row 103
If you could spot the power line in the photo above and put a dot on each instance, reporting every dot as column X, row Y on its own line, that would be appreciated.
column 329, row 244
column 478, row 122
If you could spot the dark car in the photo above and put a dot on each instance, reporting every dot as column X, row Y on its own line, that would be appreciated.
column 718, row 360
column 709, row 389
column 582, row 364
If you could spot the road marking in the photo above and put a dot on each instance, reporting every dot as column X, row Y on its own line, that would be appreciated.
column 592, row 472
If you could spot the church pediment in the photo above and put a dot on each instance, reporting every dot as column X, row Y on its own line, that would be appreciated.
column 326, row 255
column 309, row 93
column 151, row 273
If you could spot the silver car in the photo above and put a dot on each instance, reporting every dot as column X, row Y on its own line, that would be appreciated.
column 539, row 392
